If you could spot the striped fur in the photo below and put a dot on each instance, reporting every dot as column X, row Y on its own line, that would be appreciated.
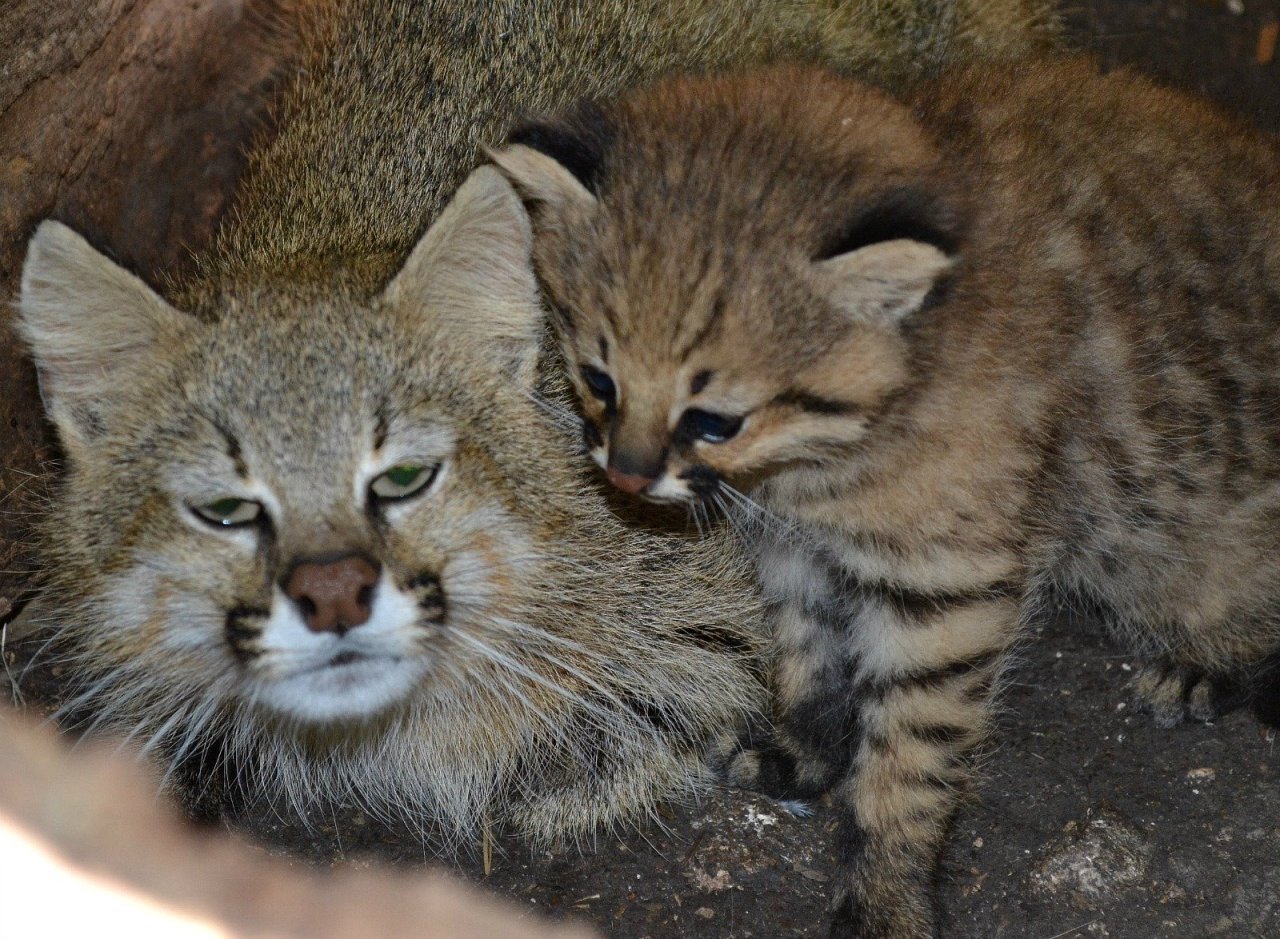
column 1012, row 336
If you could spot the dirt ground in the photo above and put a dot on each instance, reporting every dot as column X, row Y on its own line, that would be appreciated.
column 1090, row 821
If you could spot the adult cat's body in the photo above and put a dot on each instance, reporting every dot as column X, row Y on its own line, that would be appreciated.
column 1015, row 334
column 318, row 538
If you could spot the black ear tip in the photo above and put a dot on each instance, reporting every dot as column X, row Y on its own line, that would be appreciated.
column 900, row 213
column 580, row 142
column 531, row 133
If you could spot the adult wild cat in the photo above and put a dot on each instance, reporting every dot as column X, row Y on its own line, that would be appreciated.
column 316, row 535
column 1014, row 333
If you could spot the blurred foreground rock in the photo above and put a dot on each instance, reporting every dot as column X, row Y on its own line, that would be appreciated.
column 86, row 849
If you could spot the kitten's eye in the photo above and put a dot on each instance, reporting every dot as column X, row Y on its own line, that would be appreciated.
column 703, row 425
column 601, row 385
column 403, row 481
column 229, row 512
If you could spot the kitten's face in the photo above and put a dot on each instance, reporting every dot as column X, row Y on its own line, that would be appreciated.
column 730, row 263
column 676, row 406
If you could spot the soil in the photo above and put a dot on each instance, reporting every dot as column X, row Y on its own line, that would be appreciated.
column 1089, row 822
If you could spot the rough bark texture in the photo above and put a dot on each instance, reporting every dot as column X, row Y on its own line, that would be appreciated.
column 127, row 119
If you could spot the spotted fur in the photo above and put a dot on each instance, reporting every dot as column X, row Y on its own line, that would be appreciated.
column 1015, row 334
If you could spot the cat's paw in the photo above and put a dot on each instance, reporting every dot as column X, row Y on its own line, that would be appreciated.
column 767, row 770
column 1172, row 693
column 770, row 770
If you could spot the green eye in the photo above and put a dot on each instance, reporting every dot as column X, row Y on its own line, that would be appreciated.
column 402, row 481
column 229, row 512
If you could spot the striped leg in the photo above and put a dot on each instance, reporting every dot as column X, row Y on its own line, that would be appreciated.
column 816, row 712
column 924, row 689
column 883, row 694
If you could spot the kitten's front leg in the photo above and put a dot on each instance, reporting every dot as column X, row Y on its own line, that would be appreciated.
column 814, row 737
column 927, row 668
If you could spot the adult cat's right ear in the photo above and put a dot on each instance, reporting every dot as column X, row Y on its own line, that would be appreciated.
column 93, row 329
column 558, row 163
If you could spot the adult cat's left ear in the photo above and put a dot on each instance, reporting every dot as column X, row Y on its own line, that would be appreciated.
column 471, row 275
column 887, row 280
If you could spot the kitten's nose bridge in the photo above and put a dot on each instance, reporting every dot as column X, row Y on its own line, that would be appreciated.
column 634, row 460
column 333, row 593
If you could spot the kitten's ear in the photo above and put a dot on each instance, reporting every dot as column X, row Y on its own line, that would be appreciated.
column 93, row 329
column 558, row 163
column 888, row 280
column 472, row 274
column 542, row 180
column 890, row 254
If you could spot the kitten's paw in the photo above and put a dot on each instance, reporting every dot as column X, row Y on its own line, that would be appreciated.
column 774, row 772
column 1174, row 692
column 767, row 770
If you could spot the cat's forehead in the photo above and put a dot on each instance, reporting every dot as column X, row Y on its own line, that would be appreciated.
column 668, row 309
column 309, row 392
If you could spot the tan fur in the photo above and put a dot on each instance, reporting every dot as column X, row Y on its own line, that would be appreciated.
column 580, row 667
column 1010, row 335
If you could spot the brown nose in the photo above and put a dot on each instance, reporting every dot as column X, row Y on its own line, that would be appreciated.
column 333, row 595
column 627, row 482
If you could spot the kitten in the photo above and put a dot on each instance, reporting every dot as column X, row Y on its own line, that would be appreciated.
column 1015, row 333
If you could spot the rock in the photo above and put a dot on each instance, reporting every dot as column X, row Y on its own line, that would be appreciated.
column 1093, row 860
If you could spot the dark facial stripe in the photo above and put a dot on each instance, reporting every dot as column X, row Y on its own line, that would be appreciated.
column 814, row 404
column 233, row 449
column 708, row 326
column 429, row 593
column 704, row 482
column 244, row 629
column 380, row 423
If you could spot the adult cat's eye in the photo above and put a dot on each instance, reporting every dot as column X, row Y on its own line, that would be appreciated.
column 403, row 481
column 704, row 425
column 600, row 384
column 229, row 512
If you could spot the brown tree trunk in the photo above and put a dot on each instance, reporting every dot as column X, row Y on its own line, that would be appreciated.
column 126, row 119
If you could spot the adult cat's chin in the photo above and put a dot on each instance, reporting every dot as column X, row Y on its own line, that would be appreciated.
column 348, row 689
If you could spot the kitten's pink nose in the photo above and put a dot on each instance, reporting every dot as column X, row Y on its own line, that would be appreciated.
column 627, row 482
column 333, row 595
